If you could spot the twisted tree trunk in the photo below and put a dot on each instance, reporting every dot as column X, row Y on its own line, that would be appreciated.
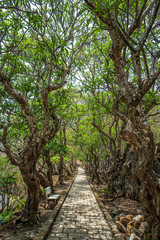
column 32, row 181
column 132, row 92
column 61, row 169
column 32, row 145
column 148, row 181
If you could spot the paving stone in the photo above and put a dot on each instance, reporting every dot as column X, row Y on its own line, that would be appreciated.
column 69, row 230
column 80, row 217
column 51, row 238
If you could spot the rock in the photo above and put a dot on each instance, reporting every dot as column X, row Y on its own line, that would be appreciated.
column 121, row 227
column 143, row 228
column 125, row 220
column 122, row 215
column 134, row 237
column 129, row 217
column 137, row 221
column 117, row 212
column 131, row 229
column 116, row 218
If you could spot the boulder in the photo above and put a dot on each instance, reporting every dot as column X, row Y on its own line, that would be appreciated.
column 121, row 227
column 131, row 229
column 137, row 220
column 122, row 215
column 117, row 212
column 116, row 218
column 133, row 236
column 129, row 216
column 125, row 220
column 143, row 228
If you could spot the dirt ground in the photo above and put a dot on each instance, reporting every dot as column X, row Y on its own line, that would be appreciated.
column 116, row 204
column 18, row 230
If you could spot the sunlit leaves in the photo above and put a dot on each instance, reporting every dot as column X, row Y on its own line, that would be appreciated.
column 8, row 175
column 55, row 146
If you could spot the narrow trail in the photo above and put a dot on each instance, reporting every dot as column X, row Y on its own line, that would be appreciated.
column 80, row 216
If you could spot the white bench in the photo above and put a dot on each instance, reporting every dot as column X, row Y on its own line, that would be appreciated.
column 51, row 197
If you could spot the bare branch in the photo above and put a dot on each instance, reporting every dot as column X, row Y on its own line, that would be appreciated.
column 138, row 69
column 150, row 107
column 138, row 19
column 124, row 38
column 13, row 158
column 20, row 98
column 16, row 8
column 46, row 109
column 45, row 95
column 136, row 7
column 144, row 36
column 153, row 63
column 145, row 62
column 148, row 84
column 148, row 9
column 153, row 114
column 104, row 133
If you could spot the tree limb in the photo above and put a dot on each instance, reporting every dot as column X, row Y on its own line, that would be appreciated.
column 13, row 158
column 47, row 90
column 144, row 36
column 104, row 133
column 138, row 19
column 20, row 98
column 124, row 38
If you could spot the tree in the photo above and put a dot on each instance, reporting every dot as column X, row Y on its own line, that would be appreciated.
column 38, row 49
column 131, row 30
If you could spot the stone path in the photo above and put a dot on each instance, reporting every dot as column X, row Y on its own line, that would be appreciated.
column 80, row 216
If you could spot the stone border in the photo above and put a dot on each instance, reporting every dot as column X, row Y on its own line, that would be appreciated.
column 108, row 218
column 111, row 223
column 47, row 225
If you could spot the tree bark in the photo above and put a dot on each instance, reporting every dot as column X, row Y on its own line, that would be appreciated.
column 33, row 184
column 49, row 170
column 61, row 169
column 137, row 130
column 96, row 167
column 142, row 140
column 27, row 158
column 115, row 176
column 44, row 182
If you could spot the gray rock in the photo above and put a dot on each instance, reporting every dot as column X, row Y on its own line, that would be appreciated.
column 133, row 236
column 143, row 228
column 117, row 212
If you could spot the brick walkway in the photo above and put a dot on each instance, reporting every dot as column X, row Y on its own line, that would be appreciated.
column 80, row 216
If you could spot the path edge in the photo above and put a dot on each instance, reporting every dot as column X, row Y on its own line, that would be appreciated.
column 47, row 225
column 116, row 233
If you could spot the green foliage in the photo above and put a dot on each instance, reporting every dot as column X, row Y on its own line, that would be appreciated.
column 56, row 146
column 46, row 42
column 55, row 158
column 8, row 180
column 16, row 205
column 8, row 176
column 37, row 46
column 106, row 192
